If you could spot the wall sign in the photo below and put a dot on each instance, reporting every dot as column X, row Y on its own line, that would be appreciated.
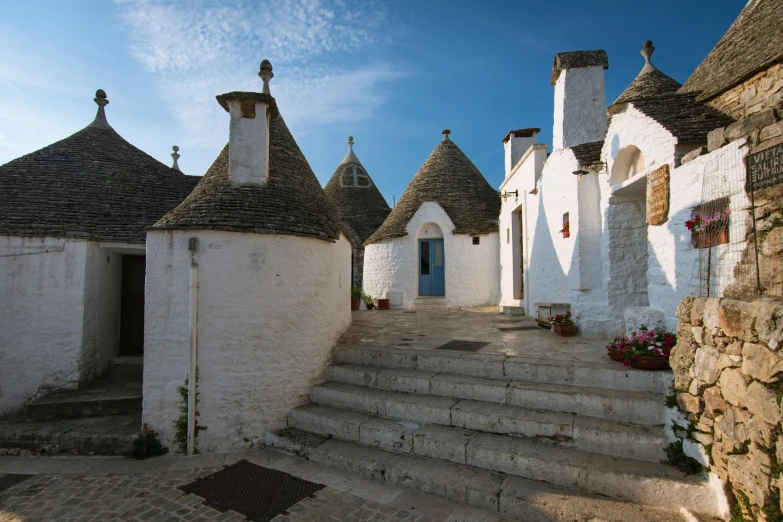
column 765, row 167
column 658, row 195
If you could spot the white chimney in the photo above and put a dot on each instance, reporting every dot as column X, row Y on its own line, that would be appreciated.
column 580, row 98
column 248, row 142
column 516, row 144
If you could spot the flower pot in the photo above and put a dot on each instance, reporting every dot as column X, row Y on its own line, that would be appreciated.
column 383, row 304
column 370, row 306
column 614, row 354
column 355, row 305
column 564, row 329
column 711, row 238
column 650, row 363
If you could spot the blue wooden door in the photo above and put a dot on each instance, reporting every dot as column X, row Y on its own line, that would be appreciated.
column 432, row 274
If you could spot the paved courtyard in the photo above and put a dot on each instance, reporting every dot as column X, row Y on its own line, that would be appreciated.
column 515, row 336
column 117, row 488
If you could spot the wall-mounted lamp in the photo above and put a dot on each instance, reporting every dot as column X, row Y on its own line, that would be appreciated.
column 515, row 193
column 599, row 167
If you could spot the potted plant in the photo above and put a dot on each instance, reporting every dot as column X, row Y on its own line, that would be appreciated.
column 566, row 230
column 383, row 304
column 710, row 231
column 562, row 324
column 646, row 349
column 368, row 302
column 356, row 298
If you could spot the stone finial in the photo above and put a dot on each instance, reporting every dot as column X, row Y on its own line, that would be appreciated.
column 102, row 101
column 647, row 51
column 446, row 133
column 350, row 156
column 174, row 155
column 266, row 74
column 350, row 142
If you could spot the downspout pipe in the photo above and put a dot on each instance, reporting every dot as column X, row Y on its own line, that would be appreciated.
column 192, row 382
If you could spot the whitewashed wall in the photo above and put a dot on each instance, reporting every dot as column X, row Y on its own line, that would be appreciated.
column 671, row 255
column 580, row 105
column 471, row 271
column 270, row 311
column 102, row 300
column 41, row 317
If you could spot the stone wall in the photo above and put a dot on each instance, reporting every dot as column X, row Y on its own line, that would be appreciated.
column 762, row 91
column 728, row 375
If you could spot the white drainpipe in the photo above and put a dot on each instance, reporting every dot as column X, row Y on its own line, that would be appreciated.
column 193, row 358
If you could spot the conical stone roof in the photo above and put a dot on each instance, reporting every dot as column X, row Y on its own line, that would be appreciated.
column 356, row 198
column 649, row 82
column 291, row 202
column 92, row 185
column 450, row 179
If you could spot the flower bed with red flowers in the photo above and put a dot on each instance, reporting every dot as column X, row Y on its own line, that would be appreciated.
column 642, row 344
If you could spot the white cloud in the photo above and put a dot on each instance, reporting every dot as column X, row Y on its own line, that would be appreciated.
column 196, row 50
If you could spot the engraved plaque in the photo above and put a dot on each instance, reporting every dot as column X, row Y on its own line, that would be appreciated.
column 658, row 195
column 765, row 167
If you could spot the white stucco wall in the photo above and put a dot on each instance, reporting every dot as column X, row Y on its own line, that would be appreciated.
column 41, row 318
column 59, row 319
column 580, row 107
column 270, row 310
column 471, row 271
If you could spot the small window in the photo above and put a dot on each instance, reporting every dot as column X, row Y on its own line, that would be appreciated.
column 508, row 235
column 566, row 230
column 476, row 240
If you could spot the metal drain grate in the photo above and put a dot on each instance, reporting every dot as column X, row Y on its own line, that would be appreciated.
column 518, row 328
column 254, row 491
column 463, row 346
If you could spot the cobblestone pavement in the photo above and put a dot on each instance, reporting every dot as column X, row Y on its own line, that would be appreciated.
column 116, row 488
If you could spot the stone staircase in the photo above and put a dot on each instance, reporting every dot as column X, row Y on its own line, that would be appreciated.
column 538, row 439
column 102, row 418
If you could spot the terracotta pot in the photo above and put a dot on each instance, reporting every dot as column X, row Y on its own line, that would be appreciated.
column 355, row 305
column 614, row 354
column 714, row 238
column 564, row 329
column 383, row 304
column 650, row 363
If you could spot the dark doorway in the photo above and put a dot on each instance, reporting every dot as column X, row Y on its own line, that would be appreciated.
column 132, row 306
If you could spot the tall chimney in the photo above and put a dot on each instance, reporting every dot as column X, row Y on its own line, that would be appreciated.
column 516, row 143
column 580, row 98
column 248, row 142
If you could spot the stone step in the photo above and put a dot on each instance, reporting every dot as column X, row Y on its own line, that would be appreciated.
column 565, row 429
column 430, row 303
column 529, row 500
column 86, row 403
column 630, row 406
column 111, row 435
column 613, row 376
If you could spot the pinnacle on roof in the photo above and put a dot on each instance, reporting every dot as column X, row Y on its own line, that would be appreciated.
column 350, row 157
column 650, row 81
column 448, row 178
column 92, row 185
column 352, row 192
column 175, row 156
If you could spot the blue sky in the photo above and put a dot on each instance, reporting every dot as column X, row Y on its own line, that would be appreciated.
column 392, row 74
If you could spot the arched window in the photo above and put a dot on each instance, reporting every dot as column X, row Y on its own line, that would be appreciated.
column 628, row 163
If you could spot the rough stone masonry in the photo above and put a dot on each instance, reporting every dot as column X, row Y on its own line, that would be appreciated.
column 728, row 372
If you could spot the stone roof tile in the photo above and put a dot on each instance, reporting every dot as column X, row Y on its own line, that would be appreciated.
column 578, row 60
column 358, row 201
column 448, row 178
column 291, row 202
column 588, row 153
column 92, row 185
column 751, row 44
column 682, row 115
